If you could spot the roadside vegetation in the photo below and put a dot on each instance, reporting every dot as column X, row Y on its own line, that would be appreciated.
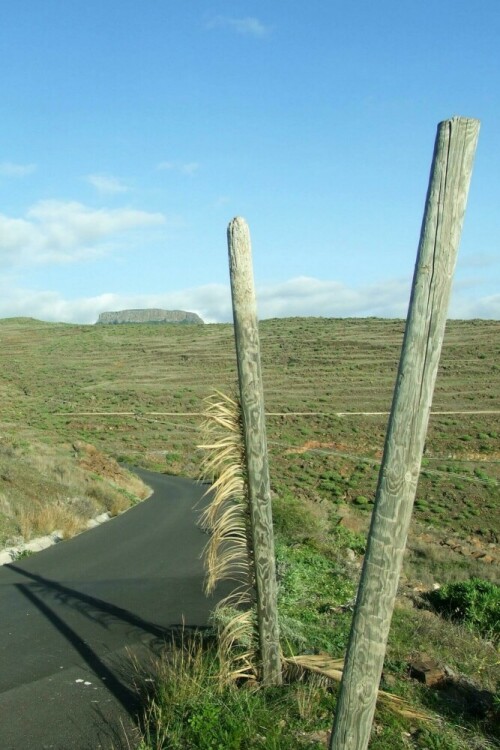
column 195, row 704
column 135, row 393
column 47, row 488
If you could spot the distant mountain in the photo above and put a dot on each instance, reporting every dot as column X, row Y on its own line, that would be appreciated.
column 149, row 316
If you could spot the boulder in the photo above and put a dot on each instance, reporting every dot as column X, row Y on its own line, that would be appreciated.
column 426, row 670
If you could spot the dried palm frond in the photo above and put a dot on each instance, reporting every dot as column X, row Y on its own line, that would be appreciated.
column 228, row 553
column 333, row 669
column 236, row 644
column 226, row 517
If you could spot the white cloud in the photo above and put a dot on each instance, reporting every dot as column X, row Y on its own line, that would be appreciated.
column 302, row 296
column 296, row 297
column 478, row 260
column 249, row 25
column 61, row 232
column 188, row 168
column 308, row 296
column 484, row 307
column 212, row 302
column 105, row 183
column 9, row 169
column 221, row 201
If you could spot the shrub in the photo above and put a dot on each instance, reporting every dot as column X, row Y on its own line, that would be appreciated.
column 109, row 497
column 475, row 602
column 361, row 500
column 346, row 538
column 292, row 519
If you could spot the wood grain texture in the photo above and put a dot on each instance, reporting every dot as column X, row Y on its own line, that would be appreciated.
column 440, row 235
column 252, row 402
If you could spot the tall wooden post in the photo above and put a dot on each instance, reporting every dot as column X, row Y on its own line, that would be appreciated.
column 246, row 333
column 440, row 235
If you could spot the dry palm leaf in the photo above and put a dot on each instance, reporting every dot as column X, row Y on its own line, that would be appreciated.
column 228, row 553
column 333, row 669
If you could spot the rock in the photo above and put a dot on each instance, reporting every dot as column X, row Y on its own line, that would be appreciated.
column 80, row 447
column 322, row 737
column 487, row 559
column 476, row 541
column 426, row 670
column 389, row 680
column 148, row 316
column 449, row 672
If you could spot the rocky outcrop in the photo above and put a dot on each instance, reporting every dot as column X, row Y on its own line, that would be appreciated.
column 149, row 316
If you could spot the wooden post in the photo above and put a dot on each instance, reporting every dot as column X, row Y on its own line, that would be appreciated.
column 440, row 235
column 246, row 333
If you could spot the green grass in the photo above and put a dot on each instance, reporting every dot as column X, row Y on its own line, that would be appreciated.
column 312, row 590
column 192, row 710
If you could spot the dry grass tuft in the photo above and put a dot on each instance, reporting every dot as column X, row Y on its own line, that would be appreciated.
column 228, row 554
column 45, row 488
column 109, row 497
column 39, row 520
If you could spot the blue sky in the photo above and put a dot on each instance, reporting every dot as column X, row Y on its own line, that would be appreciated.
column 134, row 130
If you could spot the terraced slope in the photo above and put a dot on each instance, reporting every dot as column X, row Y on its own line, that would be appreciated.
column 135, row 391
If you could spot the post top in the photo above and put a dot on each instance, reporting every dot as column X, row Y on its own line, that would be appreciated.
column 237, row 221
column 460, row 119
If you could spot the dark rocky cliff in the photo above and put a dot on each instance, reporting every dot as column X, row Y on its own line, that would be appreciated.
column 149, row 316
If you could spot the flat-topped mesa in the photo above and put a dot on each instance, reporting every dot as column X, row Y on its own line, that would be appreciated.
column 148, row 316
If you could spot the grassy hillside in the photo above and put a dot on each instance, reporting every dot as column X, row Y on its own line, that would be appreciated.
column 49, row 486
column 135, row 392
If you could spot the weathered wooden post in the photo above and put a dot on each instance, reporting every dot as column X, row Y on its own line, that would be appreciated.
column 440, row 235
column 246, row 333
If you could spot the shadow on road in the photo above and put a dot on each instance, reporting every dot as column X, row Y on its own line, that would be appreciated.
column 121, row 692
column 119, row 675
column 99, row 611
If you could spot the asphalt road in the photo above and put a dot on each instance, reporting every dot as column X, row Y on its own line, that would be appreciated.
column 72, row 615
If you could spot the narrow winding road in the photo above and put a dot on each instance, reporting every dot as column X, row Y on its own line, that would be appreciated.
column 72, row 616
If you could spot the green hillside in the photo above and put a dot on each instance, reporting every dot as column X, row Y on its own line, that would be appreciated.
column 135, row 392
